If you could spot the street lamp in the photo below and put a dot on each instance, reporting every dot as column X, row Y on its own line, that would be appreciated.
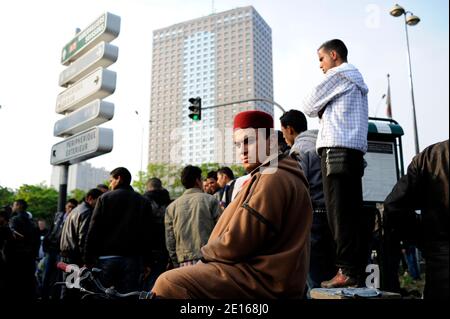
column 142, row 139
column 410, row 20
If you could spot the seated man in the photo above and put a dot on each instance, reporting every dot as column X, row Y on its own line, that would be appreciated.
column 259, row 248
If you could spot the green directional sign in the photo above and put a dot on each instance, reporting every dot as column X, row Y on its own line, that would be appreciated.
column 105, row 28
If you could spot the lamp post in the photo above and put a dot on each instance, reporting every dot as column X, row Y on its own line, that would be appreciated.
column 410, row 20
column 142, row 139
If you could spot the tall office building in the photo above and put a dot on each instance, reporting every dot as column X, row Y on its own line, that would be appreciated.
column 80, row 176
column 221, row 58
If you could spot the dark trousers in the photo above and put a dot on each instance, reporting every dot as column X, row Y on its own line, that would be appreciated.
column 51, row 276
column 436, row 271
column 123, row 273
column 21, row 282
column 342, row 170
column 322, row 261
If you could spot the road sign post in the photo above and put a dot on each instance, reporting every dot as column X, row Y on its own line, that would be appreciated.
column 91, row 114
column 87, row 82
column 82, row 146
column 105, row 28
column 96, row 85
column 102, row 55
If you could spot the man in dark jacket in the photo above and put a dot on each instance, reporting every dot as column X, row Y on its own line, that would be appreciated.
column 159, row 198
column 303, row 148
column 226, row 181
column 75, row 229
column 425, row 188
column 52, row 253
column 21, row 253
column 74, row 233
column 5, row 236
column 118, row 237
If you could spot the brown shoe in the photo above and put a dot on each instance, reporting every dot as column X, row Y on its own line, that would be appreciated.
column 340, row 281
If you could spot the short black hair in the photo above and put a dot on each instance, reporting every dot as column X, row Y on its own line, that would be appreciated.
column 336, row 45
column 189, row 176
column 5, row 212
column 102, row 186
column 295, row 119
column 94, row 193
column 23, row 203
column 212, row 174
column 282, row 145
column 73, row 201
column 154, row 182
column 227, row 171
column 122, row 172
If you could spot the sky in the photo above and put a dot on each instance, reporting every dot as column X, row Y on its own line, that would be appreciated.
column 33, row 33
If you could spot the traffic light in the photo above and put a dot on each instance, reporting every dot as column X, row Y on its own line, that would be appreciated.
column 196, row 108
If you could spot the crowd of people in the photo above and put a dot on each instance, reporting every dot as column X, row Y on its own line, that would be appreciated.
column 294, row 222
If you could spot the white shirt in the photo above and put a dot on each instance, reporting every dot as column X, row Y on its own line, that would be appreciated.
column 344, row 122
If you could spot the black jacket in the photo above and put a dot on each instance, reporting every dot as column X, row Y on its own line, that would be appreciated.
column 26, row 241
column 74, row 233
column 425, row 188
column 159, row 199
column 120, row 226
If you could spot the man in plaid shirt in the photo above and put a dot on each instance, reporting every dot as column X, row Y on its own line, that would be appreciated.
column 340, row 102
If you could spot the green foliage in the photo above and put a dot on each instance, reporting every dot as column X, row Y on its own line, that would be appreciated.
column 238, row 170
column 170, row 176
column 139, row 182
column 207, row 167
column 6, row 196
column 42, row 200
column 78, row 194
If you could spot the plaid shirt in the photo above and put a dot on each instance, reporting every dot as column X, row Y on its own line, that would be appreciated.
column 342, row 98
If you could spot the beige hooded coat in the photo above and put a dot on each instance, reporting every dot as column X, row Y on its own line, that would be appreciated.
column 259, row 248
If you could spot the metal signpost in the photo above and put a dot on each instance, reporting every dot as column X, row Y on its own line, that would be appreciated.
column 93, row 113
column 82, row 146
column 102, row 55
column 96, row 85
column 87, row 82
column 105, row 28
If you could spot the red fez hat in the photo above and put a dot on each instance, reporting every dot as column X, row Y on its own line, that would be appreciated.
column 253, row 119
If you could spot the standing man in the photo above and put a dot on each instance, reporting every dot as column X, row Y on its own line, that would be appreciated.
column 303, row 149
column 213, row 187
column 75, row 229
column 21, row 253
column 159, row 198
column 73, row 235
column 118, row 240
column 340, row 102
column 51, row 248
column 425, row 188
column 190, row 219
column 260, row 246
column 225, row 179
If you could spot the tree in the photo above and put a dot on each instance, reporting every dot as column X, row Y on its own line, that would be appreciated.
column 42, row 200
column 170, row 176
column 6, row 196
column 78, row 194
column 167, row 173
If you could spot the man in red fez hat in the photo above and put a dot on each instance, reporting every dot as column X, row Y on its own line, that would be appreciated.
column 259, row 248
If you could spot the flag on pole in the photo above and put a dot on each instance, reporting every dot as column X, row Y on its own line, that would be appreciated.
column 388, row 100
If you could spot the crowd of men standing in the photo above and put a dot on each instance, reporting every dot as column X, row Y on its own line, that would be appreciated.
column 294, row 222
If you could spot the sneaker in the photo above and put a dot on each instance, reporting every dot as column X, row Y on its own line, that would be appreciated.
column 340, row 281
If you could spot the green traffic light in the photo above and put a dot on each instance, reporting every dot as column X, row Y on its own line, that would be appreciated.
column 195, row 117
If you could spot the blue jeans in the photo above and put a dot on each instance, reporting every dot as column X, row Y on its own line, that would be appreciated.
column 411, row 260
column 121, row 272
